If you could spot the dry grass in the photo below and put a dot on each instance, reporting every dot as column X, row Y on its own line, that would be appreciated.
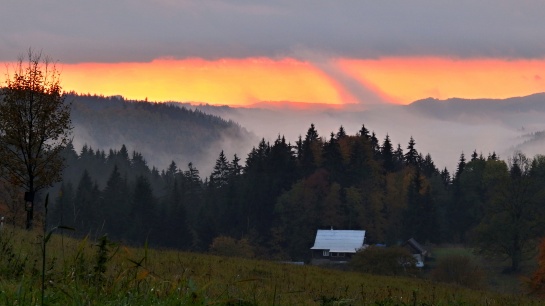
column 141, row 276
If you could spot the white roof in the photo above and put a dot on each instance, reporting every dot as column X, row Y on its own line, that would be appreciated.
column 340, row 241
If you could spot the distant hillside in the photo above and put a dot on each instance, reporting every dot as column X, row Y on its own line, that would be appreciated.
column 161, row 132
column 457, row 108
column 525, row 115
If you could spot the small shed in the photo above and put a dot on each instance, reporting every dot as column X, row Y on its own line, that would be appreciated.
column 336, row 245
column 419, row 253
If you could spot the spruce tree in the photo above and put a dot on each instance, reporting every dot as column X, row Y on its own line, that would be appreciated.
column 387, row 155
column 221, row 172
column 411, row 157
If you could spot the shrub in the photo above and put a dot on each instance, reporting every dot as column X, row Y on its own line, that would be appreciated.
column 228, row 246
column 384, row 261
column 536, row 283
column 459, row 269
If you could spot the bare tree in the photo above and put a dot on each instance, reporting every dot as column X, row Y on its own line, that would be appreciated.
column 35, row 126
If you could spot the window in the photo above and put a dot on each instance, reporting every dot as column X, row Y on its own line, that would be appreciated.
column 326, row 253
column 337, row 254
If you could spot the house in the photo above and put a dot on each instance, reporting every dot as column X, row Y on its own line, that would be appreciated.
column 336, row 245
column 419, row 253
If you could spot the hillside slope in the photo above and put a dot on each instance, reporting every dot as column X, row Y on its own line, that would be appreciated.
column 161, row 132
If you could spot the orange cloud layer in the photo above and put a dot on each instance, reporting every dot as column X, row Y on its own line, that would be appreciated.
column 409, row 79
column 227, row 81
column 248, row 81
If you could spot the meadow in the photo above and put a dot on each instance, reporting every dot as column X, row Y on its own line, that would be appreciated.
column 85, row 272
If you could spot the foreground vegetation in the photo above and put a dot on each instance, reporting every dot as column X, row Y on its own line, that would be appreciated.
column 84, row 272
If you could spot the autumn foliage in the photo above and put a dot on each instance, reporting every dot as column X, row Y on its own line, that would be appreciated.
column 537, row 281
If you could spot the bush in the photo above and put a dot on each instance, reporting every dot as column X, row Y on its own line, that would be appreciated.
column 228, row 246
column 384, row 261
column 536, row 283
column 459, row 269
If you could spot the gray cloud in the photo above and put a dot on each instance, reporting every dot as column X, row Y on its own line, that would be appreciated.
column 139, row 30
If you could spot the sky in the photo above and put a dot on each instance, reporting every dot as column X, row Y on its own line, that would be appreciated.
column 242, row 52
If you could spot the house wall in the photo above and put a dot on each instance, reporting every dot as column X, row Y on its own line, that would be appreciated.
column 332, row 257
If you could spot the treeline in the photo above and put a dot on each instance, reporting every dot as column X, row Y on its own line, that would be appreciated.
column 281, row 193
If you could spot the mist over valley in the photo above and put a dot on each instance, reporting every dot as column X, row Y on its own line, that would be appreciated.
column 443, row 128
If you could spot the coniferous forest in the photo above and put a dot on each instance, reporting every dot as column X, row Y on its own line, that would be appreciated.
column 280, row 193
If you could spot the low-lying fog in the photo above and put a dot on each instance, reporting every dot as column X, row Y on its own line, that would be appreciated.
column 444, row 129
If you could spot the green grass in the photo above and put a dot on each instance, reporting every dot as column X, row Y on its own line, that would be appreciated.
column 81, row 273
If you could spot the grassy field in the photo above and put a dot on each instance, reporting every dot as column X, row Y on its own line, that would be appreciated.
column 495, row 279
column 83, row 272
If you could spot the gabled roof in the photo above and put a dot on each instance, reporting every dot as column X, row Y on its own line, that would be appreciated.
column 341, row 241
column 416, row 248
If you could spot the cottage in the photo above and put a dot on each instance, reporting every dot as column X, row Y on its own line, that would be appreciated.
column 336, row 245
column 419, row 253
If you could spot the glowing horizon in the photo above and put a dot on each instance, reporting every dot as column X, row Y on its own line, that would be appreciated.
column 243, row 82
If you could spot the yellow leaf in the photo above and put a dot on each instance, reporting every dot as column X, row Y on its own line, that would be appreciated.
column 141, row 275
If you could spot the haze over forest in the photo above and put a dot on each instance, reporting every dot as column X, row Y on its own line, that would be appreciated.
column 443, row 128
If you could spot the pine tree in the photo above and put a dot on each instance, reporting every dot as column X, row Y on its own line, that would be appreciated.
column 411, row 157
column 115, row 204
column 143, row 212
column 387, row 155
column 428, row 166
column 235, row 167
column 445, row 177
column 86, row 209
column 364, row 132
column 221, row 172
column 375, row 145
column 170, row 174
column 460, row 167
column 359, row 164
column 474, row 155
column 63, row 213
column 333, row 160
column 399, row 158
column 341, row 133
column 310, row 148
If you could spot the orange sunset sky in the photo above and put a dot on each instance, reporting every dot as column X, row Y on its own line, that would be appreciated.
column 251, row 80
column 243, row 52
column 243, row 82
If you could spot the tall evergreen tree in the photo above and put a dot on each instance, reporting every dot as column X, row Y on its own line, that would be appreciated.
column 375, row 145
column 221, row 172
column 86, row 213
column 411, row 157
column 143, row 212
column 364, row 132
column 310, row 148
column 428, row 166
column 333, row 160
column 460, row 167
column 445, row 177
column 387, row 154
column 115, row 205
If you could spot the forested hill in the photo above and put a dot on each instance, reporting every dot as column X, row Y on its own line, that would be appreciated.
column 161, row 132
column 457, row 107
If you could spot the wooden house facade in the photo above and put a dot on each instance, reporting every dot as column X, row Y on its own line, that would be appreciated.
column 336, row 246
